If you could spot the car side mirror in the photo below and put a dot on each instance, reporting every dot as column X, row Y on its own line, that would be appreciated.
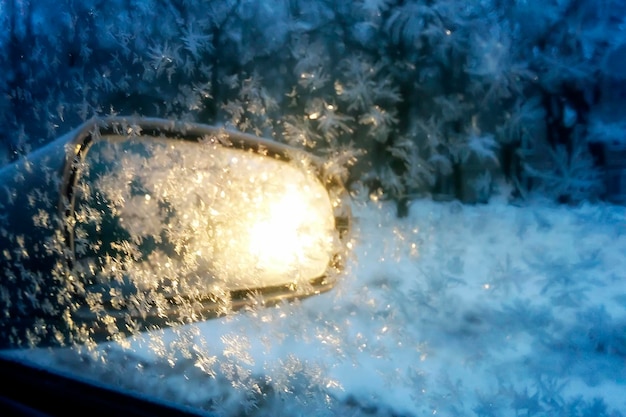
column 128, row 224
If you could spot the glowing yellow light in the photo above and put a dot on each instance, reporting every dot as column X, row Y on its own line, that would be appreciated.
column 294, row 237
column 282, row 231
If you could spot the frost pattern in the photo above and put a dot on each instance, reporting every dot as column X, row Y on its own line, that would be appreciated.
column 403, row 99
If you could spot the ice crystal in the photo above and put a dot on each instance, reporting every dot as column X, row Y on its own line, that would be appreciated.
column 570, row 176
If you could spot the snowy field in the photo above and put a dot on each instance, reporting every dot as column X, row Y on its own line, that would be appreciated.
column 488, row 310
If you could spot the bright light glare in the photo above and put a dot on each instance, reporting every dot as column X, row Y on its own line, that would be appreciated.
column 288, row 240
column 279, row 228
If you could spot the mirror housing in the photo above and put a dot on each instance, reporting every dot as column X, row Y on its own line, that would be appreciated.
column 130, row 224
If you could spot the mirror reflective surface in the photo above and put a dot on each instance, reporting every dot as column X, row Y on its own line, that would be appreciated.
column 199, row 217
column 144, row 223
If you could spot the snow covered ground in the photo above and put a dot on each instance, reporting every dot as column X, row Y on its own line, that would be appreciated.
column 488, row 310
